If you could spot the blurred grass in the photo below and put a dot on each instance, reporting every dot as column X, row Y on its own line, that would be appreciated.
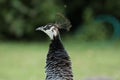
column 26, row 61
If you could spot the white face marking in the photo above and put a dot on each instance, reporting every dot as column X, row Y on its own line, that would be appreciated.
column 50, row 31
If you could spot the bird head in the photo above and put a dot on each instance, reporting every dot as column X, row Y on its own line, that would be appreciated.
column 50, row 29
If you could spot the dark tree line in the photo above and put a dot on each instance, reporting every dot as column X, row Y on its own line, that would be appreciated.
column 19, row 18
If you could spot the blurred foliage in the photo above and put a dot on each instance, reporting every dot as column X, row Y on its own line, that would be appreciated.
column 19, row 18
column 91, row 30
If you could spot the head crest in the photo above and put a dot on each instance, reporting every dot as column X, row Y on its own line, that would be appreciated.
column 62, row 22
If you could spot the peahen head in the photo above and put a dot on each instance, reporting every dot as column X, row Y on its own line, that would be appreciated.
column 50, row 29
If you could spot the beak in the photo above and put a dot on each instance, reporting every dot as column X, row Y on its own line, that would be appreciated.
column 39, row 28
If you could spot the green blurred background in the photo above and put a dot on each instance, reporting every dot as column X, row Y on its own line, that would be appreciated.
column 93, row 41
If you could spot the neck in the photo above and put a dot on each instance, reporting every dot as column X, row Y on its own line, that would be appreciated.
column 56, row 43
column 58, row 64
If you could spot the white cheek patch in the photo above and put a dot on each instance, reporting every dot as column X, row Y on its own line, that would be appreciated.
column 51, row 33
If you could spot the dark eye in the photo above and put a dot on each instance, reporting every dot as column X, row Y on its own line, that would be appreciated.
column 47, row 27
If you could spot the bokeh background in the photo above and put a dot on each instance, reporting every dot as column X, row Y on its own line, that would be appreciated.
column 93, row 42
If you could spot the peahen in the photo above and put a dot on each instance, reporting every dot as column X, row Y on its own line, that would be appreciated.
column 58, row 63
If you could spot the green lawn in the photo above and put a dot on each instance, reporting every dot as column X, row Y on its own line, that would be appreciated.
column 26, row 61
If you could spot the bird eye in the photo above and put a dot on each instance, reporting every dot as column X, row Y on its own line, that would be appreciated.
column 47, row 27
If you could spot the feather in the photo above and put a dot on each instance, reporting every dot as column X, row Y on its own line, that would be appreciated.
column 62, row 22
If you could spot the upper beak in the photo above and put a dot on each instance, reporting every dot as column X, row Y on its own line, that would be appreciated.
column 39, row 28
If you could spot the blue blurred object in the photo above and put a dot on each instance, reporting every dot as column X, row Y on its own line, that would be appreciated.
column 112, row 20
